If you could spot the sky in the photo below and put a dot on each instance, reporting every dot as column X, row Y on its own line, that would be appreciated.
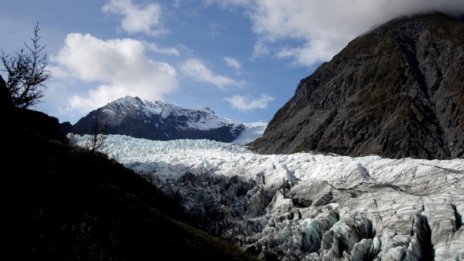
column 241, row 58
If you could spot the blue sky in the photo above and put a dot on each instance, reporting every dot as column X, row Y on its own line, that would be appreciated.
column 242, row 58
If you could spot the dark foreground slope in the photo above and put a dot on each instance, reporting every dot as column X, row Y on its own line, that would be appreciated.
column 63, row 203
column 397, row 91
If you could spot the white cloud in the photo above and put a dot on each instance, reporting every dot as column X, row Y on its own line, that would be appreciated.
column 197, row 70
column 322, row 28
column 119, row 65
column 260, row 49
column 225, row 3
column 233, row 63
column 136, row 19
column 245, row 103
column 162, row 50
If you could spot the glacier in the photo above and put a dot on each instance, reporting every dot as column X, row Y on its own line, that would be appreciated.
column 251, row 132
column 307, row 206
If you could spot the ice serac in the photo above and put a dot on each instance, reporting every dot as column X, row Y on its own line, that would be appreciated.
column 158, row 121
column 397, row 91
column 307, row 206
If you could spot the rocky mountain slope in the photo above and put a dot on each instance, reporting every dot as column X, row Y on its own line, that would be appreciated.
column 157, row 121
column 397, row 91
column 307, row 206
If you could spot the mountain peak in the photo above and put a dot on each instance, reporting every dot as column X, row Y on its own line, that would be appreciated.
column 129, row 99
column 207, row 110
column 159, row 121
column 397, row 91
column 136, row 101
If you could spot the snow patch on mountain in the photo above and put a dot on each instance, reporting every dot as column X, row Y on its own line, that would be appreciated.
column 203, row 119
column 309, row 206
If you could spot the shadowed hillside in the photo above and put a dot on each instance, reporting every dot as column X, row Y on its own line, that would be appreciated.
column 64, row 203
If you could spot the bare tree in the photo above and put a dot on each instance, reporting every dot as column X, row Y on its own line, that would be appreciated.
column 27, row 72
column 97, row 137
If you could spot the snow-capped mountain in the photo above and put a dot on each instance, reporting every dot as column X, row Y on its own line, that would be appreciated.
column 308, row 206
column 158, row 121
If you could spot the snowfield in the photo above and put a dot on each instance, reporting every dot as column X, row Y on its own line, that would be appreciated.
column 200, row 119
column 308, row 206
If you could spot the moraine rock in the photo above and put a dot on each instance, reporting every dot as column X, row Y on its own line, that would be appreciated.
column 397, row 91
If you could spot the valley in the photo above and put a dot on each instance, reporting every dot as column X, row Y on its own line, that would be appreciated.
column 308, row 206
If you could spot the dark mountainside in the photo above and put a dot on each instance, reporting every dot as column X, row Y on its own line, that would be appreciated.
column 397, row 91
column 157, row 121
column 64, row 203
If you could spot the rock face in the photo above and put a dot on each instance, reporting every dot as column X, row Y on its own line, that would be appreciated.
column 157, row 121
column 397, row 91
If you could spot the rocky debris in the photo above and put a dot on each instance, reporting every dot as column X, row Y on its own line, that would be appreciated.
column 397, row 91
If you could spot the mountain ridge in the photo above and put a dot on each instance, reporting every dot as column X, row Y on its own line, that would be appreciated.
column 158, row 121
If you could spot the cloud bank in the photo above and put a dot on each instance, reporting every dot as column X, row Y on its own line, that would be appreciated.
column 321, row 28
column 120, row 66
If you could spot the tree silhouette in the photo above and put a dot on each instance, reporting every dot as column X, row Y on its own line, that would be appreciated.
column 26, row 72
column 97, row 138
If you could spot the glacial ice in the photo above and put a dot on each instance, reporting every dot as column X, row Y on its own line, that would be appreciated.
column 251, row 132
column 309, row 206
